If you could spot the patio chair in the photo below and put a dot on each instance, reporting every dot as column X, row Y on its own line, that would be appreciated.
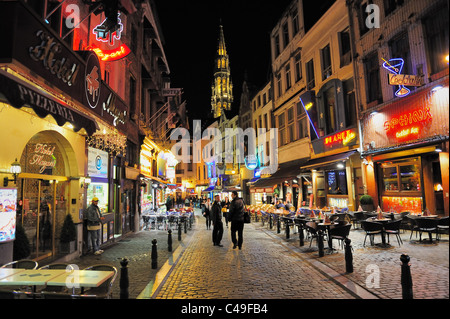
column 371, row 229
column 357, row 218
column 104, row 291
column 427, row 225
column 311, row 229
column 340, row 233
column 442, row 227
column 24, row 263
column 393, row 228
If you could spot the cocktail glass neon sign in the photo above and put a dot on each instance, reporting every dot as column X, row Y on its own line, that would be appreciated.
column 395, row 66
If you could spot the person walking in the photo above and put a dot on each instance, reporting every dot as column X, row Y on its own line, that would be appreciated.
column 94, row 218
column 225, row 208
column 236, row 216
column 207, row 213
column 216, row 218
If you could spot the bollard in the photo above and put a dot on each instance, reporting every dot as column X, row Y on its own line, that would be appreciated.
column 169, row 240
column 406, row 279
column 179, row 230
column 287, row 229
column 270, row 221
column 124, row 282
column 320, row 242
column 301, row 235
column 154, row 255
column 348, row 256
column 278, row 225
column 185, row 225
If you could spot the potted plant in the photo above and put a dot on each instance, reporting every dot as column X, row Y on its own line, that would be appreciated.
column 366, row 202
column 68, row 236
column 21, row 248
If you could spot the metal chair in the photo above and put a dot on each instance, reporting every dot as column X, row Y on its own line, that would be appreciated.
column 357, row 218
column 311, row 229
column 24, row 264
column 442, row 227
column 371, row 229
column 393, row 228
column 104, row 291
column 340, row 233
column 428, row 225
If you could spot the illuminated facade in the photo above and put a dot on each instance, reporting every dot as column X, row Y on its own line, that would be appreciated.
column 222, row 87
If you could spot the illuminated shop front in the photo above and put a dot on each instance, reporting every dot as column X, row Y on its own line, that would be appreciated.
column 406, row 153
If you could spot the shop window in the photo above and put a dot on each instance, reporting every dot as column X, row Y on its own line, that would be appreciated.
column 337, row 182
column 401, row 176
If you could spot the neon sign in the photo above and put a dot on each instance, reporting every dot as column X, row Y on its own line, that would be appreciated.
column 395, row 66
column 112, row 55
column 307, row 107
column 108, row 30
column 344, row 137
column 408, row 124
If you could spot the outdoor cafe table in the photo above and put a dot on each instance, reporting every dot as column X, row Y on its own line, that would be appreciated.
column 54, row 277
column 382, row 221
column 327, row 226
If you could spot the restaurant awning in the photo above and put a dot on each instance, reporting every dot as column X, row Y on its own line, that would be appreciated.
column 286, row 171
column 19, row 93
column 209, row 189
column 327, row 160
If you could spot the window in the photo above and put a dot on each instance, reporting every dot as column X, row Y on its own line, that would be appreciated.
column 326, row 62
column 266, row 126
column 337, row 182
column 279, row 84
column 285, row 34
column 277, row 45
column 132, row 97
column 391, row 5
column 288, row 76
column 436, row 30
column 401, row 176
column 260, row 121
column 302, row 124
column 362, row 17
column 298, row 67
column 264, row 98
column 400, row 49
column 295, row 26
column 281, row 129
column 373, row 78
column 350, row 103
column 344, row 47
column 291, row 125
column 310, row 83
column 330, row 110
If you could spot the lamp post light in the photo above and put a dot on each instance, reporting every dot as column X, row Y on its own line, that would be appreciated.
column 15, row 170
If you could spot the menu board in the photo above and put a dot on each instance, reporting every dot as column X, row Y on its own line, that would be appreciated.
column 8, row 202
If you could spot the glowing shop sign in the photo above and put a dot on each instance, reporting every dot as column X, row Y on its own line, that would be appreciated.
column 344, row 137
column 112, row 55
column 108, row 30
column 407, row 125
column 395, row 66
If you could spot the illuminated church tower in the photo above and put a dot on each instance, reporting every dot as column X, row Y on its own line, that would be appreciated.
column 222, row 87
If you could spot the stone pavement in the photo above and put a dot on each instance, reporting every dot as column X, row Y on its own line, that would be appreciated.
column 269, row 266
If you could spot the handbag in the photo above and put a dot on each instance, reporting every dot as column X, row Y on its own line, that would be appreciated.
column 246, row 217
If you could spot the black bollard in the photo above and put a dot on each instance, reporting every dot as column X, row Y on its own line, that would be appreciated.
column 406, row 279
column 348, row 256
column 169, row 240
column 124, row 282
column 185, row 225
column 287, row 229
column 278, row 225
column 270, row 221
column 154, row 255
column 320, row 242
column 179, row 231
column 301, row 235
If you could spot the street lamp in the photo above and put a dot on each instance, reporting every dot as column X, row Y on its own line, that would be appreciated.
column 15, row 170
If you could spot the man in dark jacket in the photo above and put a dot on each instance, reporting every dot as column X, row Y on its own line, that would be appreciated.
column 236, row 215
column 216, row 218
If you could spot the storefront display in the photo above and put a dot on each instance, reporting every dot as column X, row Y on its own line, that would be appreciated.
column 8, row 199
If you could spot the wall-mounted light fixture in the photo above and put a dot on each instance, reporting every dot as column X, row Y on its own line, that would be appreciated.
column 15, row 170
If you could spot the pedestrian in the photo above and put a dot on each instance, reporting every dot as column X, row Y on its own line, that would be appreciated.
column 207, row 213
column 236, row 216
column 225, row 208
column 216, row 218
column 187, row 202
column 94, row 219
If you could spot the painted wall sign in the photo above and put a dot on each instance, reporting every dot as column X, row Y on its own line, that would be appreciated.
column 395, row 66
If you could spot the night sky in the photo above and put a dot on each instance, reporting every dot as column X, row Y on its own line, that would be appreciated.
column 191, row 28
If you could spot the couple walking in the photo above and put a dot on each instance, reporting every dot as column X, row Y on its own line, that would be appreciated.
column 235, row 215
